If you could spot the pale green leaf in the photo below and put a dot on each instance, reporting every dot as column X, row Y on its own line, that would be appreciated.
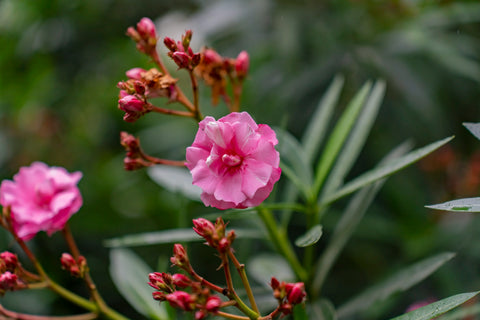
column 130, row 276
column 351, row 217
column 437, row 308
column 176, row 180
column 383, row 171
column 317, row 126
column 170, row 236
column 310, row 237
column 263, row 267
column 400, row 281
column 356, row 139
column 474, row 128
column 338, row 136
column 459, row 205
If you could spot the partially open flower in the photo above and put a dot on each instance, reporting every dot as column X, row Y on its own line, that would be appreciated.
column 234, row 161
column 41, row 198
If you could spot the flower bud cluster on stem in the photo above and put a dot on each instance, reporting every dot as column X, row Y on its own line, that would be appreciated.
column 192, row 293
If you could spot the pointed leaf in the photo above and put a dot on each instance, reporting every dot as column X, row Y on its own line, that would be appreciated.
column 175, row 179
column 383, row 171
column 474, row 128
column 316, row 128
column 310, row 237
column 400, row 281
column 351, row 217
column 263, row 267
column 459, row 205
column 170, row 236
column 130, row 276
column 437, row 308
column 356, row 139
column 338, row 136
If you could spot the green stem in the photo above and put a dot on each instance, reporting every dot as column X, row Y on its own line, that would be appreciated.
column 279, row 239
column 243, row 275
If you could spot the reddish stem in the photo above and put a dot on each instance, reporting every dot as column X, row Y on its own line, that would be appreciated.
column 23, row 316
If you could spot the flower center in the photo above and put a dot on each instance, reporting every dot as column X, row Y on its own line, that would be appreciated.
column 231, row 160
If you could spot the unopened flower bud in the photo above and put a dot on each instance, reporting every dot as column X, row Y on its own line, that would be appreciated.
column 210, row 56
column 186, row 38
column 139, row 87
column 180, row 258
column 223, row 245
column 196, row 59
column 146, row 28
column 180, row 280
column 295, row 292
column 8, row 281
column 242, row 64
column 203, row 228
column 170, row 44
column 10, row 260
column 133, row 107
column 200, row 314
column 213, row 304
column 159, row 296
column 181, row 299
column 181, row 59
column 135, row 73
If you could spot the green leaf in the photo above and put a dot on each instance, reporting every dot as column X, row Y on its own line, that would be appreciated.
column 356, row 139
column 338, row 136
column 323, row 309
column 317, row 127
column 401, row 281
column 300, row 312
column 175, row 179
column 474, row 128
column 459, row 205
column 130, row 276
column 310, row 237
column 437, row 308
column 263, row 267
column 351, row 217
column 170, row 236
column 383, row 171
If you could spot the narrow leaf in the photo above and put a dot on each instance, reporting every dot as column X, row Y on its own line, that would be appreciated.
column 437, row 308
column 310, row 237
column 383, row 171
column 459, row 205
column 400, row 281
column 130, row 275
column 338, row 136
column 170, row 236
column 474, row 128
column 356, row 139
column 316, row 128
column 264, row 266
column 175, row 179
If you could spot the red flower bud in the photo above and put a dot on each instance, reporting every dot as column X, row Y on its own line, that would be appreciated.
column 146, row 28
column 10, row 260
column 8, row 281
column 135, row 73
column 242, row 64
column 181, row 59
column 203, row 228
column 170, row 44
column 211, row 56
column 181, row 300
column 213, row 304
column 181, row 280
column 295, row 292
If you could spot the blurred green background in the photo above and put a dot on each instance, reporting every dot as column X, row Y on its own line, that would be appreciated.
column 60, row 61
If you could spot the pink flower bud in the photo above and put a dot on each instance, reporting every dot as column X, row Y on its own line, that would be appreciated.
column 8, row 281
column 135, row 73
column 242, row 64
column 157, row 281
column 210, row 56
column 146, row 28
column 159, row 296
column 170, row 44
column 203, row 228
column 133, row 107
column 10, row 260
column 180, row 258
column 181, row 59
column 181, row 280
column 295, row 292
column 213, row 304
column 181, row 300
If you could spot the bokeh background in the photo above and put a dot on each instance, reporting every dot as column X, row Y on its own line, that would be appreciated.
column 60, row 61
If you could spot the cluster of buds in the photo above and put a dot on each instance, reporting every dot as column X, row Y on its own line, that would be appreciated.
column 77, row 268
column 214, row 234
column 194, row 296
column 144, row 35
column 181, row 52
column 288, row 294
column 10, row 273
column 215, row 70
column 142, row 85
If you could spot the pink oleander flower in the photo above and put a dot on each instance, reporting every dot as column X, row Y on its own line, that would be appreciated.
column 41, row 198
column 234, row 161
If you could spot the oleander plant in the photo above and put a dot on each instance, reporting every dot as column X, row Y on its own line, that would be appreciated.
column 263, row 199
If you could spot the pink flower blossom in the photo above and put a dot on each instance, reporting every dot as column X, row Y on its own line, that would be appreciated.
column 41, row 198
column 234, row 161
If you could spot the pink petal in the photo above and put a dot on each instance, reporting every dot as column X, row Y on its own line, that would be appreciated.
column 230, row 188
column 194, row 155
column 204, row 178
column 243, row 117
column 256, row 174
